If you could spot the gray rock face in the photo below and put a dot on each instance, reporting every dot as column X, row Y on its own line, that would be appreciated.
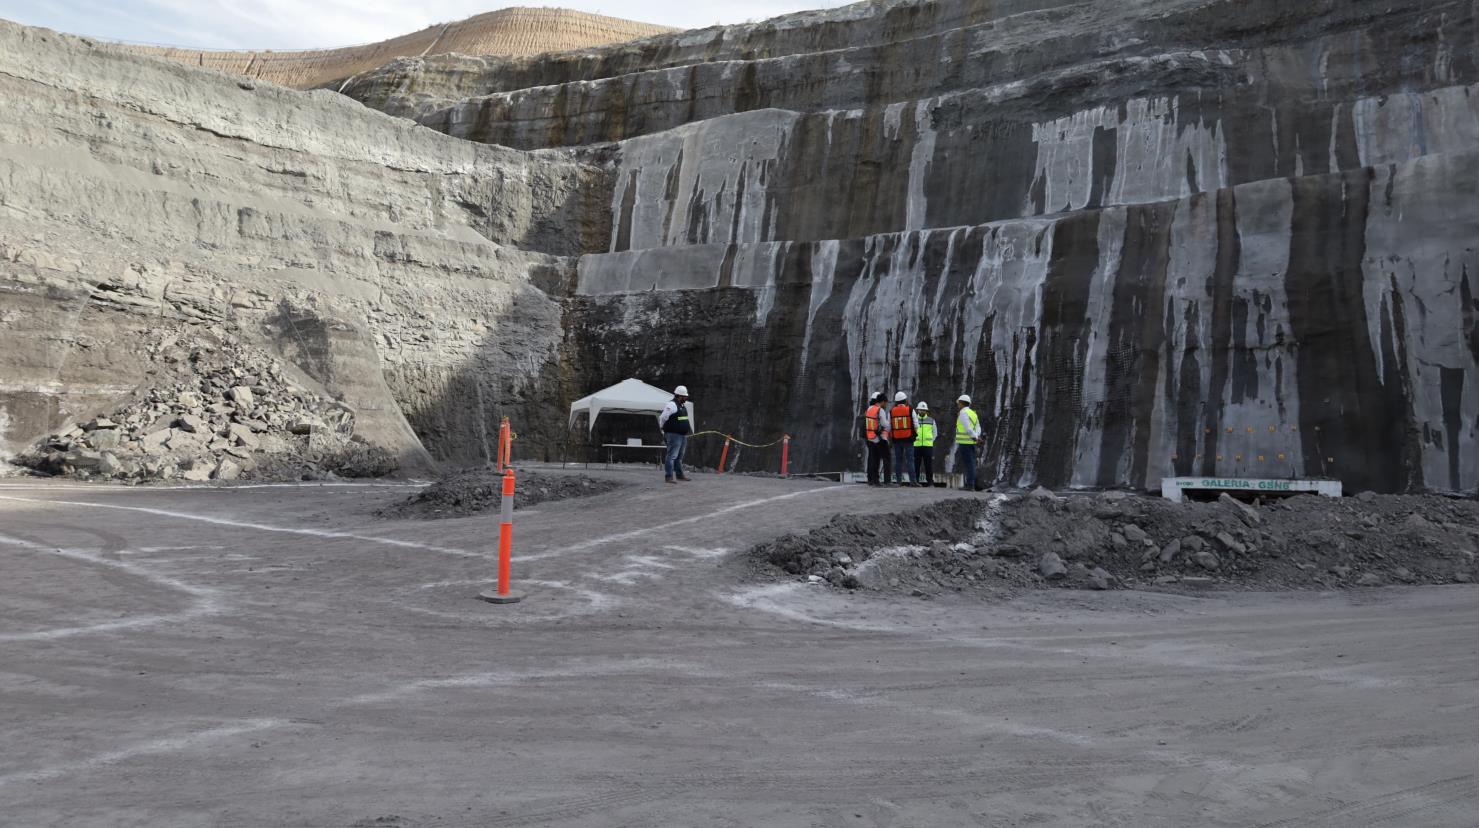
column 1149, row 238
column 396, row 269
column 1145, row 235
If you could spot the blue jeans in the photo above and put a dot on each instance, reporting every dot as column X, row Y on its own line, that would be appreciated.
column 904, row 461
column 672, row 462
column 965, row 457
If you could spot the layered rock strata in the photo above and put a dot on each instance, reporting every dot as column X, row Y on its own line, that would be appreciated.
column 1163, row 237
column 510, row 32
column 1150, row 238
column 391, row 267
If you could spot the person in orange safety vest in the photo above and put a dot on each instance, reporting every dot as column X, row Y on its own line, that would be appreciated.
column 876, row 430
column 903, row 425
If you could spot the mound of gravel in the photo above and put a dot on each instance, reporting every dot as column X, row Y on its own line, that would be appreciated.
column 481, row 490
column 217, row 410
column 836, row 550
column 1117, row 540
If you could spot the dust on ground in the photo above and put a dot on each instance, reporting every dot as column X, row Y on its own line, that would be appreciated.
column 473, row 491
column 1117, row 540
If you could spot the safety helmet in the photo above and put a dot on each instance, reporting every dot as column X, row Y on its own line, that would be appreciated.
column 924, row 406
column 965, row 398
column 877, row 397
column 900, row 397
column 680, row 391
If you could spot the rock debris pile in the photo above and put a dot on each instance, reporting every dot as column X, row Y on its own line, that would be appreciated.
column 841, row 551
column 225, row 411
column 481, row 490
column 1118, row 540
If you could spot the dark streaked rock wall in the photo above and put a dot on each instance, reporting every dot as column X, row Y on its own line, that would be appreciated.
column 1153, row 237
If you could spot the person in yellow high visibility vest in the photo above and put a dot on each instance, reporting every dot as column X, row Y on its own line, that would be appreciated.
column 967, row 437
column 924, row 446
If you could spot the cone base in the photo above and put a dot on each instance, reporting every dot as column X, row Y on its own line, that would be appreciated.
column 513, row 597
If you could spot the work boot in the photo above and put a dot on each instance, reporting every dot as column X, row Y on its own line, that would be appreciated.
column 686, row 479
column 670, row 480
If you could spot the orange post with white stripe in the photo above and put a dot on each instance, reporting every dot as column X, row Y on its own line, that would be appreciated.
column 786, row 456
column 505, row 593
column 723, row 456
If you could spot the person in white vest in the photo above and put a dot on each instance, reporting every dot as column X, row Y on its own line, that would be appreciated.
column 675, row 428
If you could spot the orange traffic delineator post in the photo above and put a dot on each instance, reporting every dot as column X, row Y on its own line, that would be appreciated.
column 785, row 456
column 505, row 595
column 505, row 444
column 724, row 455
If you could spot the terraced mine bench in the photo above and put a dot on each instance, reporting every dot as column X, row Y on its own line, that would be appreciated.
column 1175, row 489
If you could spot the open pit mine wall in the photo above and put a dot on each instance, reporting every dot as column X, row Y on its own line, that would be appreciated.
column 404, row 272
column 1179, row 236
column 1322, row 326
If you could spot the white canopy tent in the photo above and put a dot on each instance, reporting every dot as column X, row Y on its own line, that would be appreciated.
column 631, row 396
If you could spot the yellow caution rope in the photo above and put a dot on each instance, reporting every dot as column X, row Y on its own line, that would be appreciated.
column 735, row 439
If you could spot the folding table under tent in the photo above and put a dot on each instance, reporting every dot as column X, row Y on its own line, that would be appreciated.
column 631, row 396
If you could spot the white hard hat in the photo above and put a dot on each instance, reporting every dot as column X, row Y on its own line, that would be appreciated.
column 877, row 395
column 680, row 391
column 924, row 406
column 900, row 397
column 965, row 398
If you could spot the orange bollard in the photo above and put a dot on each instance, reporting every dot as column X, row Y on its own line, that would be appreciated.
column 508, row 443
column 505, row 595
column 724, row 456
column 785, row 455
column 505, row 445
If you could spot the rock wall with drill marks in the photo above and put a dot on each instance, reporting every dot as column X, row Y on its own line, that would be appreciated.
column 701, row 183
column 1133, row 231
column 1242, row 268
column 1113, row 347
column 774, row 175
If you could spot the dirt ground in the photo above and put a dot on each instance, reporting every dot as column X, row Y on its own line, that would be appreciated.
column 475, row 491
column 1115, row 540
column 277, row 655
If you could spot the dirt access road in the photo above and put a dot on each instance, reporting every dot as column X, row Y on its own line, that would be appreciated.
column 278, row 656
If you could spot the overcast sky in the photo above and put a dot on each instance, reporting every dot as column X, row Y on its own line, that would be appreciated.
column 302, row 24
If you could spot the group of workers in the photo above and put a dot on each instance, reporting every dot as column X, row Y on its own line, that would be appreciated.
column 912, row 433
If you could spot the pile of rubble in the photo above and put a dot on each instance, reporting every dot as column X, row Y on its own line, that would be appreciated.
column 227, row 411
column 1118, row 540
column 473, row 491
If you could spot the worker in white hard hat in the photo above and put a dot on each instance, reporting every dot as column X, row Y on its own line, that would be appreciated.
column 875, row 431
column 924, row 445
column 675, row 427
column 967, row 437
column 903, row 425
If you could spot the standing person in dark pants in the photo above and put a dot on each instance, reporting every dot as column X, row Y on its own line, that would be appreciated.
column 924, row 446
column 967, row 437
column 875, row 430
column 675, row 428
column 902, row 426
